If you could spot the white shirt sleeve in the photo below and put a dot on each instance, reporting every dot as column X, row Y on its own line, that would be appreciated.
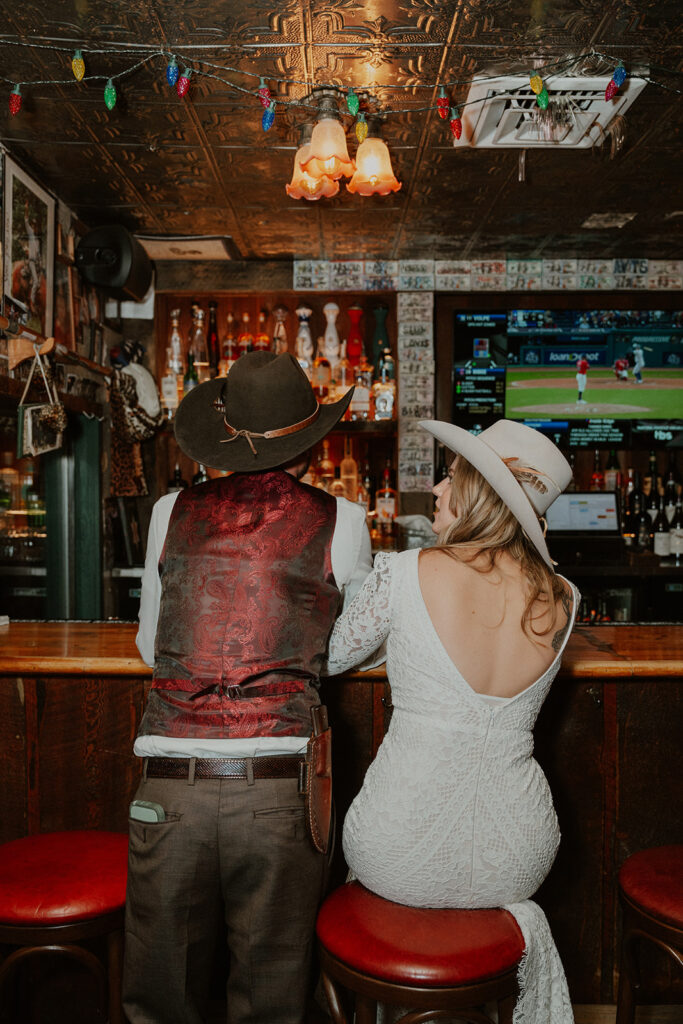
column 351, row 550
column 150, row 590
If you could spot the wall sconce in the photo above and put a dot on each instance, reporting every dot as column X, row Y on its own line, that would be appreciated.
column 374, row 174
column 303, row 185
column 328, row 156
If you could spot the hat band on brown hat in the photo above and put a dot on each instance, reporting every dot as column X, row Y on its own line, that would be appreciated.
column 293, row 428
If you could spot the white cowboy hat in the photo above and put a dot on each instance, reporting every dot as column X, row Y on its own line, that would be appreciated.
column 547, row 471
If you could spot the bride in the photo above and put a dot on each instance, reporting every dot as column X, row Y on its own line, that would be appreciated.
column 455, row 811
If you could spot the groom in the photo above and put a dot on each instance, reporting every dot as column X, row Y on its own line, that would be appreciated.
column 243, row 579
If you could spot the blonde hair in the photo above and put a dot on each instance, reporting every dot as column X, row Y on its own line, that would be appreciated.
column 484, row 525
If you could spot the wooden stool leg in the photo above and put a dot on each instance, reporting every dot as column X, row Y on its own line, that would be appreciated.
column 366, row 1009
column 332, row 996
column 115, row 976
column 628, row 979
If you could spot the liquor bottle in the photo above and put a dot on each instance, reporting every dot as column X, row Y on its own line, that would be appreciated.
column 676, row 532
column 652, row 472
column 632, row 488
column 612, row 472
column 279, row 344
column 321, row 374
column 304, row 340
column 363, row 497
column 191, row 378
column 348, row 472
column 262, row 338
column 229, row 354
column 368, row 480
column 331, row 336
column 325, row 466
column 644, row 531
column 176, row 483
column 661, row 540
column 354, row 344
column 571, row 458
column 342, row 378
column 384, row 389
column 337, row 489
column 386, row 506
column 360, row 403
column 598, row 477
column 650, row 502
column 198, row 348
column 169, row 387
column 670, row 495
column 380, row 338
column 201, row 476
column 212, row 340
column 245, row 339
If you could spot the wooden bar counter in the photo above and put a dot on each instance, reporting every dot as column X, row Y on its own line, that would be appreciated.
column 608, row 738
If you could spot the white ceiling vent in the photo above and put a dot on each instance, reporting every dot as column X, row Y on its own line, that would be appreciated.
column 502, row 112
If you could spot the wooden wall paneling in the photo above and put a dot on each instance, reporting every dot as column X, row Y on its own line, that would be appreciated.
column 569, row 748
column 649, row 772
column 85, row 732
column 13, row 763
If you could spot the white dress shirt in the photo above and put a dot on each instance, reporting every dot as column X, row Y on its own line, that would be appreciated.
column 351, row 558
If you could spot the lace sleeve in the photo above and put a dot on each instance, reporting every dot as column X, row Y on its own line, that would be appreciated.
column 363, row 627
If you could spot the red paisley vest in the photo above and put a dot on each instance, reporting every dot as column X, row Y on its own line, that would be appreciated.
column 248, row 599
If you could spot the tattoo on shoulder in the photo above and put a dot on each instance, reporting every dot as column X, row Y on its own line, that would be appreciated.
column 558, row 638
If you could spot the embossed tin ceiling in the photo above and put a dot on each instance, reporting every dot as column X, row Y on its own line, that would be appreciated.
column 203, row 164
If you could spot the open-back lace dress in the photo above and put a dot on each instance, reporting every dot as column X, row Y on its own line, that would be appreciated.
column 454, row 810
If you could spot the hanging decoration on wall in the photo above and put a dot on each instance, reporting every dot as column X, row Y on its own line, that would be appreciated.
column 78, row 65
column 110, row 94
column 455, row 123
column 263, row 93
column 361, row 127
column 442, row 103
column 172, row 71
column 183, row 83
column 15, row 101
column 268, row 116
column 617, row 80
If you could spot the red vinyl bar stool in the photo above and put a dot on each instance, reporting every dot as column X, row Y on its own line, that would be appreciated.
column 58, row 890
column 423, row 960
column 651, row 895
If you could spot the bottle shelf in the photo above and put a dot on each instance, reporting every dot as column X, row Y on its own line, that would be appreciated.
column 379, row 428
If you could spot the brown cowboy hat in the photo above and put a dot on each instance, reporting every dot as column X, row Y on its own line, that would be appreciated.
column 263, row 414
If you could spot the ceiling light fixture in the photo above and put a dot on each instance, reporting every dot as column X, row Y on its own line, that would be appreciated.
column 303, row 185
column 374, row 174
column 328, row 156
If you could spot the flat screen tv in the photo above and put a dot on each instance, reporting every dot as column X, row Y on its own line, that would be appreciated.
column 594, row 364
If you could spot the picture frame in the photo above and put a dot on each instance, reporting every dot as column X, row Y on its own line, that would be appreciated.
column 34, row 435
column 28, row 264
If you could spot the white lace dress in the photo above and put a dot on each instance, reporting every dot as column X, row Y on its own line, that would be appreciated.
column 454, row 810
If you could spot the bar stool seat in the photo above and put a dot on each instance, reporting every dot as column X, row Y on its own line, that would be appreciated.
column 416, row 958
column 651, row 895
column 59, row 889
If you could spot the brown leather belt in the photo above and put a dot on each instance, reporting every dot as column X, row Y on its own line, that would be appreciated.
column 283, row 767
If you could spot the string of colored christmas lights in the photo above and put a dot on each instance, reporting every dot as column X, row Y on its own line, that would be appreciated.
column 198, row 67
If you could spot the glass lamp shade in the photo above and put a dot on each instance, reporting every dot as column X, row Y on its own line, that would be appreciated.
column 303, row 185
column 328, row 154
column 374, row 174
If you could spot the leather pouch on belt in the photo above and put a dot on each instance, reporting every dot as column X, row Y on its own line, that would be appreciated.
column 318, row 785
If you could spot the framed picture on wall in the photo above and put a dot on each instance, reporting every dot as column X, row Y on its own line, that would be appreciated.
column 29, row 221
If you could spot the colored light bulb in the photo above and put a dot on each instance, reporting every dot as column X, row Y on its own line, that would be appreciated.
column 263, row 93
column 620, row 75
column 456, row 123
column 611, row 90
column 542, row 98
column 268, row 116
column 536, row 82
column 78, row 65
column 361, row 127
column 183, row 83
column 352, row 102
column 110, row 94
column 442, row 103
column 172, row 72
column 15, row 99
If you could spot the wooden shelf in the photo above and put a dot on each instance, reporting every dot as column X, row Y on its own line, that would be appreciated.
column 11, row 388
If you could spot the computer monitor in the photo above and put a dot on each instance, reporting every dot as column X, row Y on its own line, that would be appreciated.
column 584, row 512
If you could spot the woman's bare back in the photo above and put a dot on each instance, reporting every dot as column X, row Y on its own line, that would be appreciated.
column 477, row 616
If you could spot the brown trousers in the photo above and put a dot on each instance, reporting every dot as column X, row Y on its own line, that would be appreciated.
column 229, row 847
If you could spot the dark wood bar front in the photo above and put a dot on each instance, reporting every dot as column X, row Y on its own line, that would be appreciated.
column 608, row 738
